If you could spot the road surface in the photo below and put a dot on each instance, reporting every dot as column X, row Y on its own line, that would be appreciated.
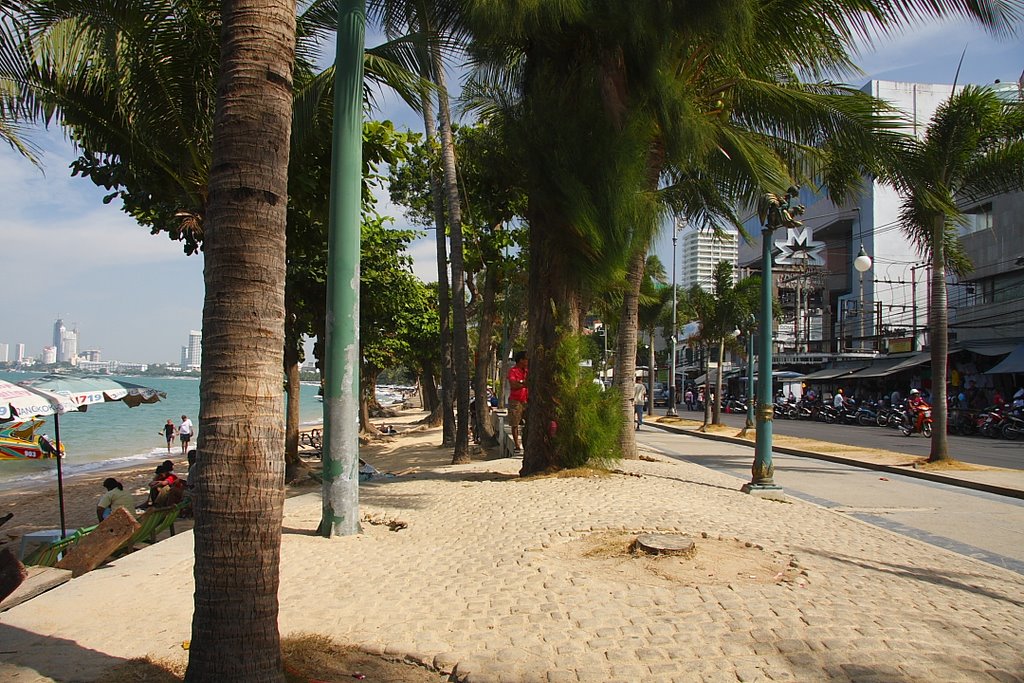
column 974, row 449
column 974, row 523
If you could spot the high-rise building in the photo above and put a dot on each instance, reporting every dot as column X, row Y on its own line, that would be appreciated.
column 195, row 350
column 58, row 334
column 3, row 353
column 184, row 358
column 49, row 355
column 19, row 353
column 701, row 252
column 69, row 347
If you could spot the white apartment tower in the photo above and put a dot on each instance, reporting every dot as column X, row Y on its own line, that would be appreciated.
column 4, row 351
column 701, row 251
column 68, row 351
column 195, row 350
column 19, row 353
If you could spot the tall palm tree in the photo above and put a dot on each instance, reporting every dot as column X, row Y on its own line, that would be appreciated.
column 436, row 28
column 238, row 518
column 973, row 149
column 691, row 107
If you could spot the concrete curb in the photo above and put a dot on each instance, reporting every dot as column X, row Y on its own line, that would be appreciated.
column 903, row 471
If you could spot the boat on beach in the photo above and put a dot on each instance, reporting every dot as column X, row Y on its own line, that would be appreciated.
column 19, row 441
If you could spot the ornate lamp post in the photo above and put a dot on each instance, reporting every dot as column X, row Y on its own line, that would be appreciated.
column 675, row 328
column 862, row 264
column 775, row 212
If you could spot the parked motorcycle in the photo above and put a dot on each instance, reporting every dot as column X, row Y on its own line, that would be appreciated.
column 990, row 422
column 785, row 409
column 1013, row 427
column 866, row 414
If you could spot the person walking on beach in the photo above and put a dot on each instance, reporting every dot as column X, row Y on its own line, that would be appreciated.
column 639, row 401
column 517, row 395
column 185, row 433
column 168, row 431
column 115, row 497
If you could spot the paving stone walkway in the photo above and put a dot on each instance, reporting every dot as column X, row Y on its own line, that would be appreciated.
column 486, row 582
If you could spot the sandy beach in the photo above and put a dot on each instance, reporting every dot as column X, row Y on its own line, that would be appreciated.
column 473, row 571
column 35, row 506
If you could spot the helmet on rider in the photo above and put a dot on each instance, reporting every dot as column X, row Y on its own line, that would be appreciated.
column 914, row 391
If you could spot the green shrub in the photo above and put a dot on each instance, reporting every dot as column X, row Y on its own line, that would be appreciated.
column 589, row 419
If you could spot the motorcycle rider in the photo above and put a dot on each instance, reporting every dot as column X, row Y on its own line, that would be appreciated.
column 915, row 409
column 839, row 401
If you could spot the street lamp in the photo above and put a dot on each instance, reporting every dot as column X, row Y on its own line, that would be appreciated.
column 672, row 366
column 776, row 212
column 862, row 263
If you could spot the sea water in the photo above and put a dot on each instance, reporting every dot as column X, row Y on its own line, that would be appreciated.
column 114, row 436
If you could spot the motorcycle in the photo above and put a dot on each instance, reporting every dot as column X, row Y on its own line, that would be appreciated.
column 1013, row 426
column 785, row 409
column 847, row 414
column 990, row 422
column 921, row 425
column 865, row 415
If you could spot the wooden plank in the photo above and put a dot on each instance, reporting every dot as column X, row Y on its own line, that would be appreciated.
column 96, row 547
column 39, row 580
column 12, row 573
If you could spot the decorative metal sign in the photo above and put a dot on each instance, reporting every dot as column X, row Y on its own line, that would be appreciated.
column 799, row 248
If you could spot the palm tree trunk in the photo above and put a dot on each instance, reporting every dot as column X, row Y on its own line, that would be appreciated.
column 441, row 241
column 429, row 391
column 625, row 355
column 485, row 431
column 707, row 390
column 460, row 342
column 293, row 388
column 241, row 426
column 554, row 302
column 717, row 407
column 939, row 322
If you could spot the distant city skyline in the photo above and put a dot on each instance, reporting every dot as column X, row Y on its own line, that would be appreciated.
column 136, row 296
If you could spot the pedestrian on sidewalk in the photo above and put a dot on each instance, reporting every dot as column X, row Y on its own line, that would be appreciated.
column 517, row 395
column 639, row 401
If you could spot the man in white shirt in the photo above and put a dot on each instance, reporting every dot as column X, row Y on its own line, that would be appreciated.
column 185, row 433
column 639, row 401
column 839, row 401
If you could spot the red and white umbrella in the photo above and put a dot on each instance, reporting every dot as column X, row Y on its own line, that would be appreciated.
column 59, row 394
column 21, row 403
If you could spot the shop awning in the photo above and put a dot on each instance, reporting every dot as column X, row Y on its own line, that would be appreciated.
column 725, row 375
column 1012, row 363
column 840, row 370
column 913, row 361
column 990, row 349
column 882, row 367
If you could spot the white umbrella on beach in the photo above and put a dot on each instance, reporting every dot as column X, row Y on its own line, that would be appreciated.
column 77, row 394
column 20, row 403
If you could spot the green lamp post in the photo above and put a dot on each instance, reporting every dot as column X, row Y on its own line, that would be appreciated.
column 775, row 212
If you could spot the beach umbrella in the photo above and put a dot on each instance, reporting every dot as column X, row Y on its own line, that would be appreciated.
column 79, row 393
column 89, row 390
column 23, row 402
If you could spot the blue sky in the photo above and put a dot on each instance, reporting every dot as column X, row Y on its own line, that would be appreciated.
column 136, row 296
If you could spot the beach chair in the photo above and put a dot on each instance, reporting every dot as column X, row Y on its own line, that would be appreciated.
column 48, row 555
column 152, row 523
